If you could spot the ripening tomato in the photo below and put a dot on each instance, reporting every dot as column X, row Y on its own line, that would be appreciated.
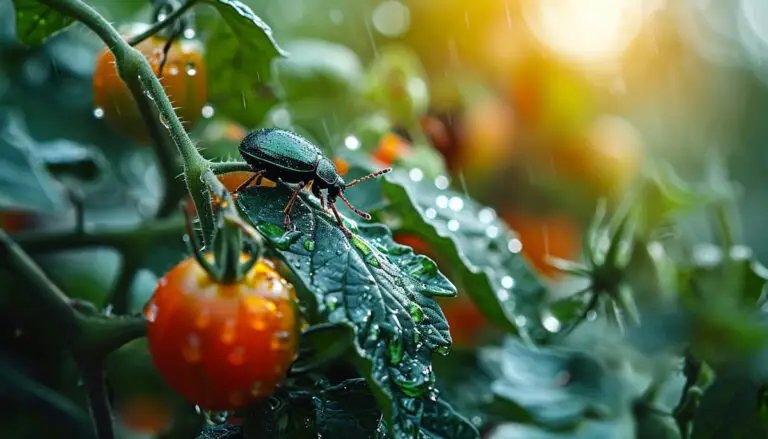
column 184, row 78
column 147, row 414
column 391, row 147
column 222, row 346
column 545, row 235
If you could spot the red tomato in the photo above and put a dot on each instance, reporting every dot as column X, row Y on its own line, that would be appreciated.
column 150, row 415
column 222, row 346
column 391, row 147
column 184, row 79
column 544, row 236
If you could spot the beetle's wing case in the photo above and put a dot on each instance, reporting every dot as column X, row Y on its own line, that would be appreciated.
column 280, row 148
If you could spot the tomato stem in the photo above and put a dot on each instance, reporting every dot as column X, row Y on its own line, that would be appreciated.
column 160, row 25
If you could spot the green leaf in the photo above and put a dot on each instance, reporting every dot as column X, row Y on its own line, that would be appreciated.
column 590, row 430
column 321, row 344
column 239, row 56
column 559, row 388
column 483, row 251
column 25, row 184
column 731, row 408
column 36, row 22
column 382, row 291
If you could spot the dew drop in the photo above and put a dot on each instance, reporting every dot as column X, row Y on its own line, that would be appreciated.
column 416, row 174
column 331, row 302
column 453, row 225
column 417, row 314
column 503, row 295
column 191, row 68
column 442, row 182
column 486, row 215
column 281, row 340
column 492, row 232
column 514, row 245
column 98, row 113
column 150, row 312
column 237, row 356
column 207, row 111
column 441, row 201
column 456, row 204
column 309, row 245
column 352, row 143
column 521, row 321
column 164, row 121
column 591, row 315
column 189, row 33
column 259, row 311
column 507, row 282
column 203, row 319
column 228, row 334
column 430, row 213
column 191, row 350
column 173, row 70
column 551, row 323
column 148, row 95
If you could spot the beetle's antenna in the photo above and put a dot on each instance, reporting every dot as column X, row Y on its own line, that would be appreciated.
column 364, row 215
column 368, row 177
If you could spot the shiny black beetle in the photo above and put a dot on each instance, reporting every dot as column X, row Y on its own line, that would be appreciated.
column 284, row 156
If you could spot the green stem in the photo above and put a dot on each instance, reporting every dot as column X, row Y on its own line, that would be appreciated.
column 160, row 25
column 120, row 297
column 226, row 167
column 121, row 239
column 131, row 64
column 93, row 379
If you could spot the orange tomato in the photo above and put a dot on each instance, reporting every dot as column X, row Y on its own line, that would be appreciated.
column 391, row 147
column 544, row 236
column 184, row 80
column 222, row 346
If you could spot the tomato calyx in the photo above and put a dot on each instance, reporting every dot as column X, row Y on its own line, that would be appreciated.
column 227, row 263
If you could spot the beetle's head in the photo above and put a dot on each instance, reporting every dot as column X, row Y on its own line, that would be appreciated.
column 326, row 171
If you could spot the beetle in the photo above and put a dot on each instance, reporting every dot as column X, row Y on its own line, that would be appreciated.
column 282, row 155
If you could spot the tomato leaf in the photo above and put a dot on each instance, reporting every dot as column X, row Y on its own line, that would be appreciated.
column 239, row 56
column 36, row 22
column 382, row 291
column 25, row 184
column 484, row 250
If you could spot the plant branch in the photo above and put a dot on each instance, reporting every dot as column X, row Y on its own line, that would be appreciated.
column 132, row 66
column 119, row 298
column 93, row 379
column 160, row 25
column 121, row 239
column 686, row 407
column 226, row 167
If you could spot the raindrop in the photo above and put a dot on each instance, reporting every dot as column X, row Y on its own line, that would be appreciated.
column 148, row 95
column 162, row 16
column 281, row 340
column 430, row 213
column 260, row 311
column 98, row 113
column 456, row 204
column 417, row 314
column 442, row 182
column 503, row 295
column 173, row 70
column 514, row 245
column 352, row 142
column 521, row 321
column 551, row 323
column 441, row 201
column 203, row 319
column 507, row 282
column 492, row 232
column 164, row 120
column 591, row 315
column 207, row 111
column 189, row 33
column 337, row 17
column 191, row 68
column 191, row 350
column 228, row 334
column 198, row 410
column 391, row 18
column 486, row 215
column 331, row 302
column 477, row 421
column 150, row 312
column 416, row 174
column 237, row 356
column 453, row 225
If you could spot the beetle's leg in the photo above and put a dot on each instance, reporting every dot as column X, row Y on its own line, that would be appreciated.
column 338, row 218
column 355, row 209
column 287, row 210
column 316, row 192
column 258, row 176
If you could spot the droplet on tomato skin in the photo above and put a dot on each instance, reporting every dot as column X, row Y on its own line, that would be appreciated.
column 191, row 69
column 228, row 334
column 98, row 113
column 237, row 356
column 281, row 340
column 203, row 319
column 191, row 350
column 260, row 312
column 150, row 312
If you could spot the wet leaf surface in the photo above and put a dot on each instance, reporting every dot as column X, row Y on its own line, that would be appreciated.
column 36, row 22
column 485, row 252
column 382, row 291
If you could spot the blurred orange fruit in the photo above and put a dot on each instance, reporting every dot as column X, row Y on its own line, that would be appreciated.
column 150, row 415
column 486, row 137
column 342, row 166
column 391, row 147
